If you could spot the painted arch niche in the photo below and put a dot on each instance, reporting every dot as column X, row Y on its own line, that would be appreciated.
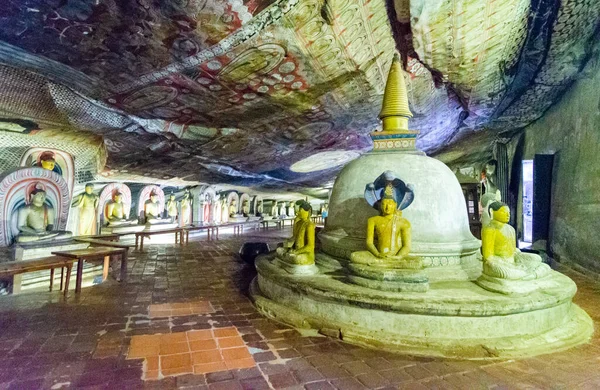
column 15, row 192
column 64, row 164
column 108, row 194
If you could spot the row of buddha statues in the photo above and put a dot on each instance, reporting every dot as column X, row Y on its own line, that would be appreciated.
column 388, row 242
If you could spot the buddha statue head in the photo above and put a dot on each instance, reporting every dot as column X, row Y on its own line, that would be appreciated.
column 38, row 197
column 172, row 197
column 500, row 212
column 89, row 188
column 47, row 160
column 304, row 209
column 118, row 197
column 490, row 168
column 388, row 206
column 153, row 197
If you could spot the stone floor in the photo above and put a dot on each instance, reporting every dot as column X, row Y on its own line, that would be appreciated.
column 184, row 321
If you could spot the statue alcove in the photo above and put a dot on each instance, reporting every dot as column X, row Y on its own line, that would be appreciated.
column 15, row 190
column 64, row 163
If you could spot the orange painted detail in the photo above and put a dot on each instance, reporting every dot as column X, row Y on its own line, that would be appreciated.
column 192, row 352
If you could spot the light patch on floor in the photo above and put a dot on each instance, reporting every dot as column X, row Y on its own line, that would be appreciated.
column 179, row 309
column 192, row 352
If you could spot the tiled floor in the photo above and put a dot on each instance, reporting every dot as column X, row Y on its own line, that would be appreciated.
column 184, row 321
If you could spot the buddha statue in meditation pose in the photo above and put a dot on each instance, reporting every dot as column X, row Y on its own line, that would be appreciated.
column 115, row 213
column 300, row 249
column 388, row 238
column 501, row 258
column 35, row 221
column 259, row 208
column 152, row 210
column 87, row 204
column 246, row 208
column 172, row 207
column 233, row 210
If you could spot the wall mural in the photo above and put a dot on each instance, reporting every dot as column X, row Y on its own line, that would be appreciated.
column 242, row 90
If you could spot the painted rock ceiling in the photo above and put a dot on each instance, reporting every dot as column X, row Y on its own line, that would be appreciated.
column 238, row 91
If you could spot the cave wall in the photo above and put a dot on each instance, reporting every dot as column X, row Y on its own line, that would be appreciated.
column 571, row 130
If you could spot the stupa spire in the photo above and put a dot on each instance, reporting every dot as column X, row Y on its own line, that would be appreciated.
column 395, row 137
column 395, row 111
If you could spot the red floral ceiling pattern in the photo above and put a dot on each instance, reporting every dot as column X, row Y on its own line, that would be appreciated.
column 237, row 91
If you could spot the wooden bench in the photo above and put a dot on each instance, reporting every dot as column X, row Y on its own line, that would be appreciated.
column 90, row 254
column 139, row 236
column 51, row 262
column 111, row 244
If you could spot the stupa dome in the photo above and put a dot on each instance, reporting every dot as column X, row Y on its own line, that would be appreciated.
column 438, row 214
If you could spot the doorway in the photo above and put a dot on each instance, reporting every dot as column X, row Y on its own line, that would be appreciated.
column 527, row 203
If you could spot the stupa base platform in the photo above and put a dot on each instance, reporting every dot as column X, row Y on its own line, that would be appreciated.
column 515, row 287
column 296, row 269
column 456, row 319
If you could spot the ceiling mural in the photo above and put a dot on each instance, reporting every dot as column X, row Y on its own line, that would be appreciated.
column 239, row 91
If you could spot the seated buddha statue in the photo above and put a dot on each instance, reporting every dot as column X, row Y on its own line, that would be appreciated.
column 246, row 208
column 35, row 220
column 115, row 213
column 300, row 248
column 233, row 210
column 259, row 208
column 388, row 238
column 172, row 207
column 501, row 258
column 152, row 210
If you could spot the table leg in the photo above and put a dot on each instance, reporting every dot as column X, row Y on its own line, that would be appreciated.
column 62, row 272
column 105, row 268
column 217, row 233
column 136, row 241
column 141, row 242
column 124, row 256
column 51, row 278
column 79, row 277
column 69, row 268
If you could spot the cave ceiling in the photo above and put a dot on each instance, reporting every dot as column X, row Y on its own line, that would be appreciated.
column 240, row 91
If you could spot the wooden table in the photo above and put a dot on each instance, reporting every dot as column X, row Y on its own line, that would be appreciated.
column 51, row 262
column 111, row 244
column 90, row 254
column 208, row 228
column 141, row 235
column 266, row 222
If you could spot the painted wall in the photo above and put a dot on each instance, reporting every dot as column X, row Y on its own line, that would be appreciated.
column 571, row 129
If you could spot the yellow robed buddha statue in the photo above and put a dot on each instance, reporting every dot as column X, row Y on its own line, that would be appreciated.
column 299, row 250
column 115, row 213
column 172, row 207
column 388, row 237
column 35, row 221
column 233, row 210
column 87, row 204
column 501, row 258
column 186, row 208
column 246, row 208
column 152, row 210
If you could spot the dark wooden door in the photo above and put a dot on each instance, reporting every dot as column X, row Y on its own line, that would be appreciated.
column 542, row 191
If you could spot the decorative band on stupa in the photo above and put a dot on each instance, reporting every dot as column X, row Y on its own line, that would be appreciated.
column 394, row 114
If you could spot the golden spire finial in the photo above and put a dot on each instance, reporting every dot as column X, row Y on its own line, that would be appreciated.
column 394, row 111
